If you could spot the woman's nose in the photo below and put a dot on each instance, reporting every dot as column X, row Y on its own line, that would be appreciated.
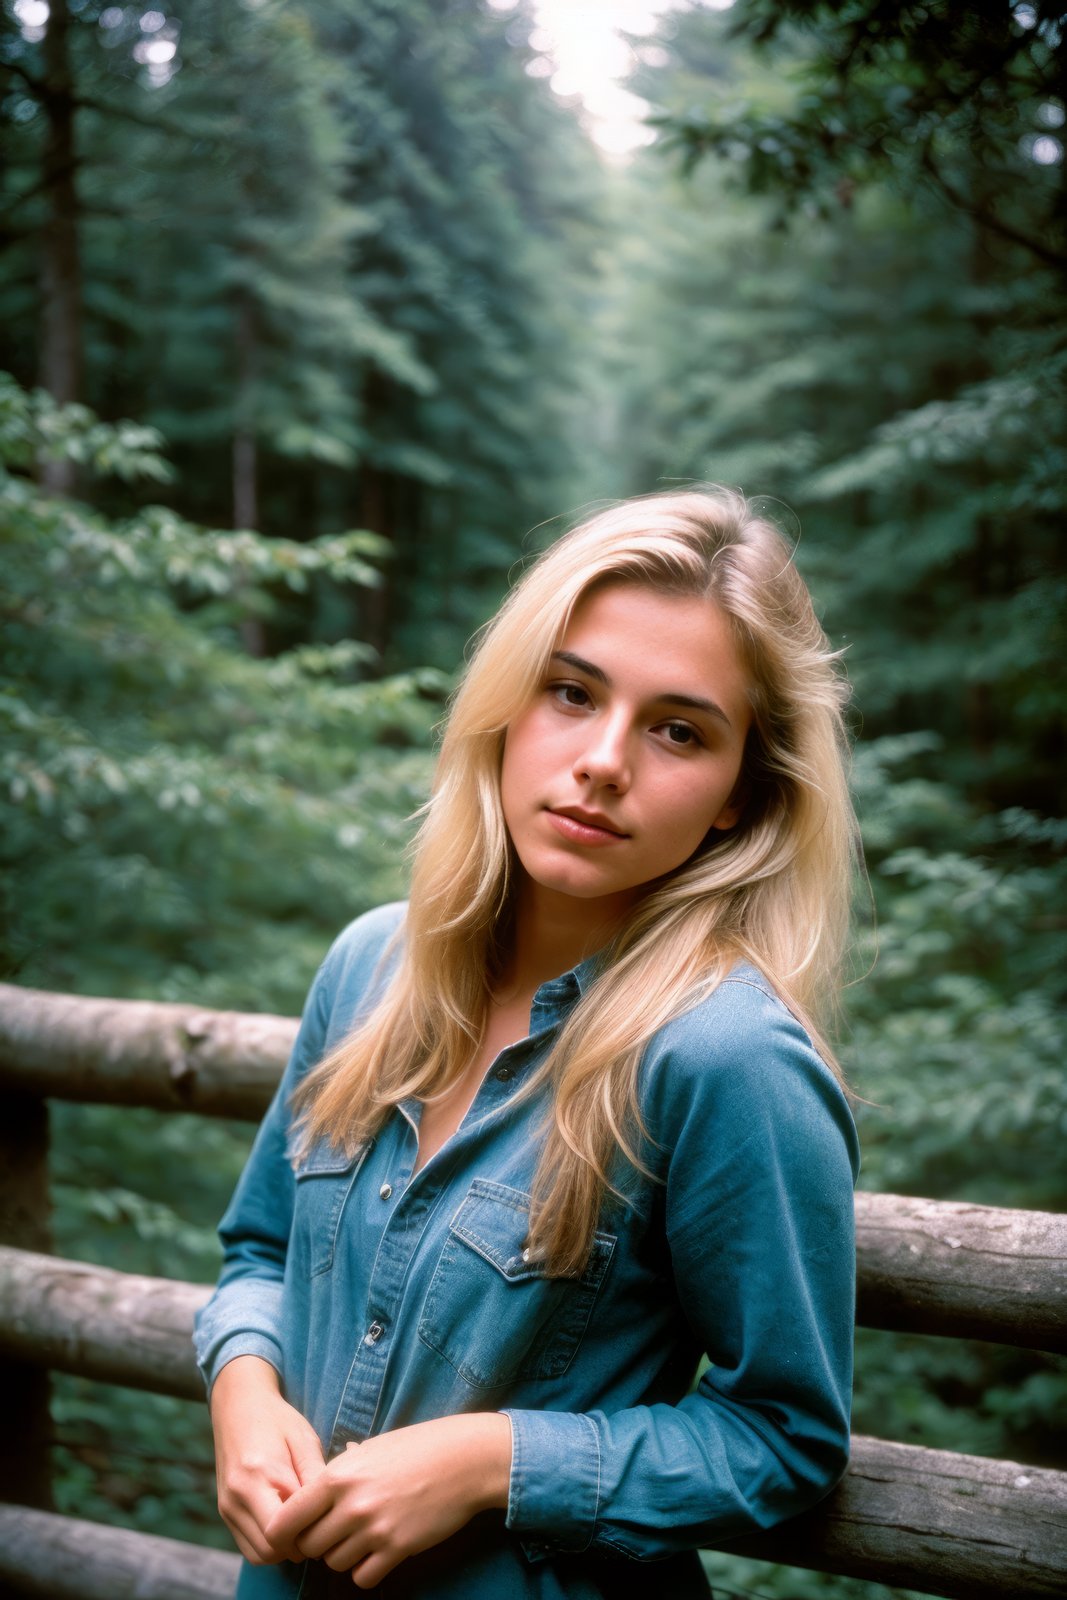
column 604, row 759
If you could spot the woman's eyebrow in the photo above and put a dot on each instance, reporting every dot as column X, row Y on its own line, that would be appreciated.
column 581, row 665
column 692, row 702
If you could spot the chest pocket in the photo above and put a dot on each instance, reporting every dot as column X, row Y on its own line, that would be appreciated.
column 493, row 1313
column 324, row 1178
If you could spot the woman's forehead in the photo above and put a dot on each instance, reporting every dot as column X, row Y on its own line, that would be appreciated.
column 660, row 644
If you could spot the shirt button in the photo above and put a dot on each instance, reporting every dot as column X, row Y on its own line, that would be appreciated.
column 385, row 1191
column 373, row 1333
column 502, row 1074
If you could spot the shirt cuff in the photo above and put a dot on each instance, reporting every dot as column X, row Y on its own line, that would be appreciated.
column 554, row 1492
column 239, row 1320
column 243, row 1344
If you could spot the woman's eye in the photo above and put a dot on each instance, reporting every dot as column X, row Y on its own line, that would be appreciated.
column 570, row 694
column 680, row 733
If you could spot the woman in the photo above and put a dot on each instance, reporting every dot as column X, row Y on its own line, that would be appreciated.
column 566, row 1123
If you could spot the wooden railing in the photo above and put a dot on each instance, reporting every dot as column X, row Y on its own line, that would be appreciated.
column 935, row 1521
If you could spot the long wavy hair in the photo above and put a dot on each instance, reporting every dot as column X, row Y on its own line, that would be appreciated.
column 773, row 890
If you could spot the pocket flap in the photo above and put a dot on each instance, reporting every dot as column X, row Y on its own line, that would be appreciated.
column 326, row 1160
column 494, row 1220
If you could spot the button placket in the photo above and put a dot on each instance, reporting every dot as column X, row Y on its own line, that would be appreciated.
column 402, row 1227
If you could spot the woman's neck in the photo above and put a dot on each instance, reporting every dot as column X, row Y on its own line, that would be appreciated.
column 554, row 932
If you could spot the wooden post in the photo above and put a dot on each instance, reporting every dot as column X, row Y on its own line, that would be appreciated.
column 25, row 1475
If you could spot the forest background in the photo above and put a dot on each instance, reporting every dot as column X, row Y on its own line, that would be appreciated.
column 385, row 320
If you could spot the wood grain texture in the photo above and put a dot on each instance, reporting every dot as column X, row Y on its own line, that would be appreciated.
column 969, row 1271
column 64, row 1558
column 945, row 1524
column 141, row 1052
column 117, row 1327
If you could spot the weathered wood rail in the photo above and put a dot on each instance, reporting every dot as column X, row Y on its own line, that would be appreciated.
column 87, row 1561
column 931, row 1520
column 140, row 1053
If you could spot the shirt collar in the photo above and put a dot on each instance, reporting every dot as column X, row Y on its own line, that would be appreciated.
column 555, row 1000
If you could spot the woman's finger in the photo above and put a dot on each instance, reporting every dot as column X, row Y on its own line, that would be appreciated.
column 369, row 1573
column 302, row 1508
column 247, row 1515
column 251, row 1543
column 348, row 1554
column 305, row 1452
column 264, row 1501
column 328, row 1533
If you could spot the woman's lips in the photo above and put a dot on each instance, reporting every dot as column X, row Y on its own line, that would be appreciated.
column 583, row 832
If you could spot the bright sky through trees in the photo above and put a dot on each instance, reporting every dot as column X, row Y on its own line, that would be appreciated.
column 584, row 55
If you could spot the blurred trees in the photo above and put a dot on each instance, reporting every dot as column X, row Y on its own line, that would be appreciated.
column 937, row 98
column 179, row 819
column 340, row 257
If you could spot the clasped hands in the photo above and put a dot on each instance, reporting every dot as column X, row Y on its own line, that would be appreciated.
column 368, row 1509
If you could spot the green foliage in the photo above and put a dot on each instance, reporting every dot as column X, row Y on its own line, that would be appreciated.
column 188, row 803
column 141, row 1461
column 361, row 308
column 956, row 1034
column 737, row 1578
column 33, row 429
column 941, row 96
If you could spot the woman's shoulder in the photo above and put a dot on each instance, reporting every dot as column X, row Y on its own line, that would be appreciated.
column 734, row 1019
column 367, row 937
column 740, row 1056
column 357, row 967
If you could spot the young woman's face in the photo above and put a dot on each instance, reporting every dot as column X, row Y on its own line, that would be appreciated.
column 632, row 749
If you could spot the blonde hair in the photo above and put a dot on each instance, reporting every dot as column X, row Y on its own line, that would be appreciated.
column 773, row 890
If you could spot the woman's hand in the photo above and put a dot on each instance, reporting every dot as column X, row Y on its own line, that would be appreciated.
column 264, row 1451
column 396, row 1494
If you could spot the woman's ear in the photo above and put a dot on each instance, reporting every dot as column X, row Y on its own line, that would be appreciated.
column 729, row 816
column 734, row 809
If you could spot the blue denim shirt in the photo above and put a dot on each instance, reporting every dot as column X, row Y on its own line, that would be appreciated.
column 385, row 1299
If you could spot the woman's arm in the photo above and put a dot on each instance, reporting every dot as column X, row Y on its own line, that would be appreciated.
column 244, row 1315
column 758, row 1210
column 265, row 1449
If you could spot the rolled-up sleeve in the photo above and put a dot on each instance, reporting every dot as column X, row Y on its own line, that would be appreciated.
column 760, row 1158
column 244, row 1315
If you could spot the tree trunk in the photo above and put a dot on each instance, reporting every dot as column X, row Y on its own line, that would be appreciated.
column 246, row 450
column 245, row 462
column 374, row 512
column 61, row 296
